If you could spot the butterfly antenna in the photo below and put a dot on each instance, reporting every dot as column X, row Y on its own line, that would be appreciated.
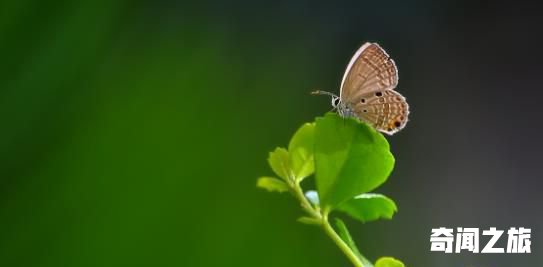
column 319, row 92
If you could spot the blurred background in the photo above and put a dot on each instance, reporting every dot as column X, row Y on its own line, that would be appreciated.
column 133, row 131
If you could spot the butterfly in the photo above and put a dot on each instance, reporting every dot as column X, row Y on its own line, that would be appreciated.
column 367, row 91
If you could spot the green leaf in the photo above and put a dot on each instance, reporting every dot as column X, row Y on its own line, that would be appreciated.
column 272, row 184
column 369, row 207
column 351, row 158
column 309, row 220
column 388, row 262
column 346, row 237
column 300, row 149
column 279, row 161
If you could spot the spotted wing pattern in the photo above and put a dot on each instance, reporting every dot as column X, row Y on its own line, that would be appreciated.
column 385, row 110
column 367, row 89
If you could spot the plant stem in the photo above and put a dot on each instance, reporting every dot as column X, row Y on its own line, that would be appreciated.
column 340, row 243
column 328, row 229
column 299, row 194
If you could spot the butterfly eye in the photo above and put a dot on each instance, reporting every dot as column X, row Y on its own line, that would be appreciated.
column 335, row 101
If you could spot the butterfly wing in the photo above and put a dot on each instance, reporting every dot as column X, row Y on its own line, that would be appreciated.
column 385, row 110
column 368, row 86
column 370, row 70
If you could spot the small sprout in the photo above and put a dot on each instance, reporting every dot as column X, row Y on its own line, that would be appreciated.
column 272, row 184
column 388, row 262
column 309, row 220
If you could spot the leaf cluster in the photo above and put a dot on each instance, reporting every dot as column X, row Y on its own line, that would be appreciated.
column 349, row 159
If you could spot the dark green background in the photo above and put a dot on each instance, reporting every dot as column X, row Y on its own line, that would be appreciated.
column 132, row 132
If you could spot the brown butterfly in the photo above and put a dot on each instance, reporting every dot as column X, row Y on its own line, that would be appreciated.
column 367, row 91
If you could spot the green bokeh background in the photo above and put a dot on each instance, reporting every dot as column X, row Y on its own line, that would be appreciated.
column 133, row 132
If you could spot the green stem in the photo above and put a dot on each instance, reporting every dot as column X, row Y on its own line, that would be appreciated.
column 299, row 194
column 340, row 243
column 328, row 229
